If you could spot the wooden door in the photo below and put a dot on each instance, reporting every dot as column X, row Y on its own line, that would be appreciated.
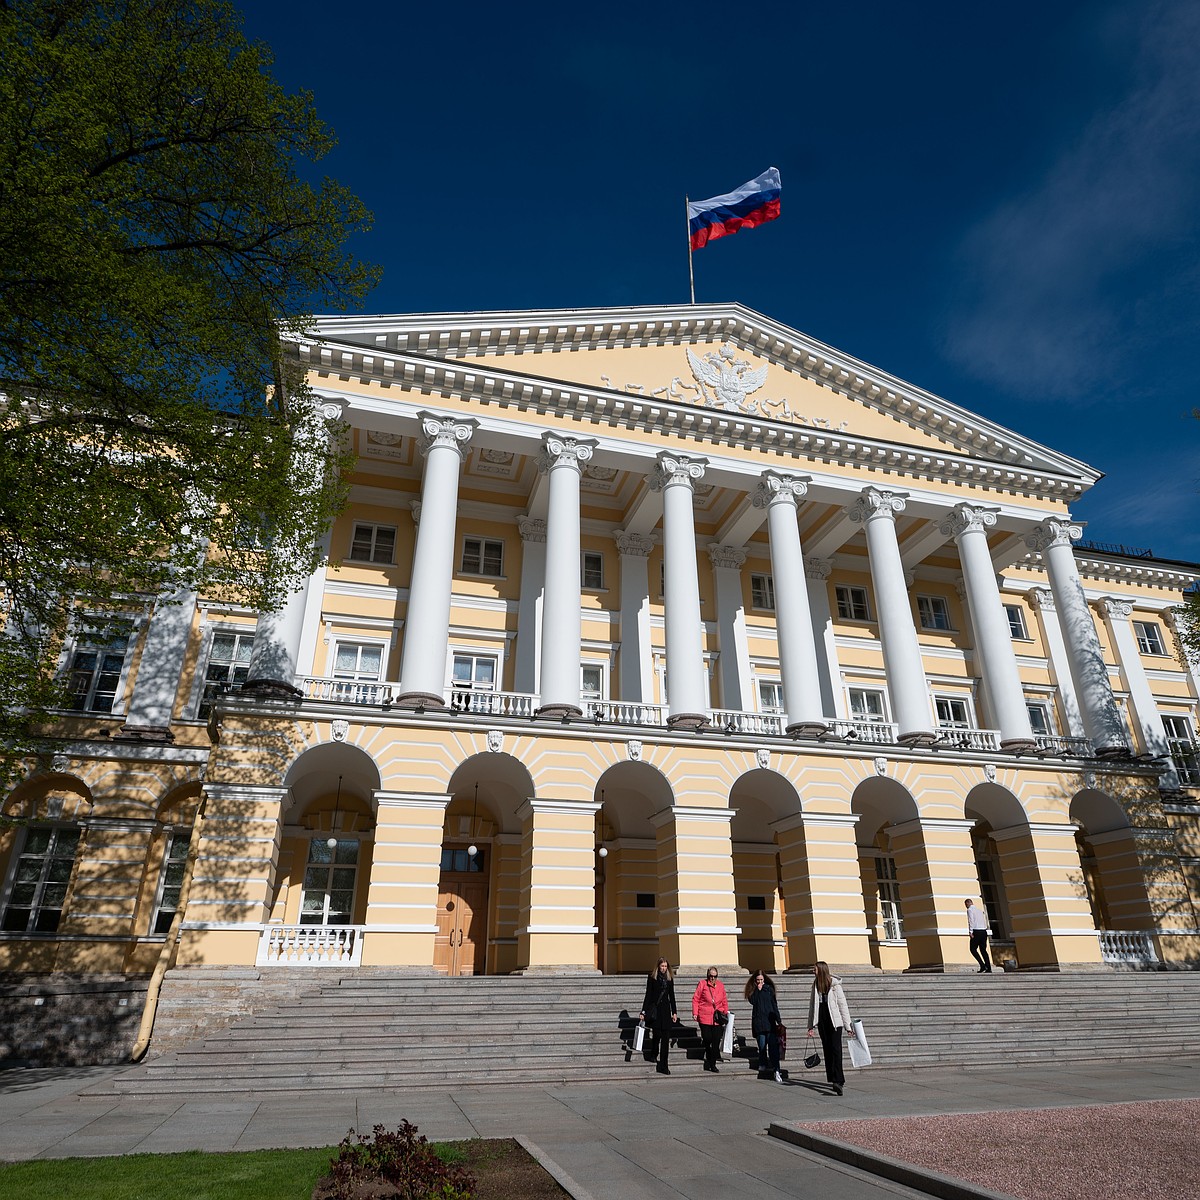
column 460, row 944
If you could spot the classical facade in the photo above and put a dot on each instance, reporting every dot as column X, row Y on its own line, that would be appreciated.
column 646, row 631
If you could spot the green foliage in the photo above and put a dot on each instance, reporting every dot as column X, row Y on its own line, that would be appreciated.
column 1187, row 626
column 403, row 1160
column 157, row 249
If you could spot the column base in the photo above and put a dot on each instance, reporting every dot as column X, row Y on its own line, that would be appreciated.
column 806, row 729
column 271, row 689
column 918, row 737
column 418, row 701
column 143, row 733
column 559, row 712
column 692, row 722
column 1117, row 752
column 1018, row 745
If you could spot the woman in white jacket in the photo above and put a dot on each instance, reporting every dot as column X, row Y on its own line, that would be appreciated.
column 828, row 1015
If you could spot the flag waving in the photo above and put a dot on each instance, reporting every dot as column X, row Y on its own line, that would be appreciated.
column 754, row 203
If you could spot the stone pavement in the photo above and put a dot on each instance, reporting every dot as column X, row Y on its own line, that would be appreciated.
column 691, row 1135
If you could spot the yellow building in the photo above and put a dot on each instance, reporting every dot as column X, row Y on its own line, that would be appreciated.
column 646, row 631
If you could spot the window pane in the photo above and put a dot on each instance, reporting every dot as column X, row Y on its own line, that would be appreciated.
column 346, row 851
column 485, row 670
column 385, row 545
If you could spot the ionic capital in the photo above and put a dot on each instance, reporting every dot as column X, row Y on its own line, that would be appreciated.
column 1043, row 598
column 818, row 568
column 726, row 556
column 1115, row 607
column 564, row 452
column 774, row 486
column 875, row 502
column 675, row 468
column 1054, row 531
column 438, row 432
column 532, row 529
column 637, row 545
column 967, row 518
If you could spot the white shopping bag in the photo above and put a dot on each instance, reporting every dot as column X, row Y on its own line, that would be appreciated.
column 860, row 1052
column 727, row 1040
column 639, row 1037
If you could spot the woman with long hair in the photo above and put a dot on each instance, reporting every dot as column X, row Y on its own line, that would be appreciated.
column 660, row 1012
column 760, row 992
column 828, row 1015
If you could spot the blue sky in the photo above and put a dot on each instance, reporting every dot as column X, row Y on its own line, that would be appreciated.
column 999, row 203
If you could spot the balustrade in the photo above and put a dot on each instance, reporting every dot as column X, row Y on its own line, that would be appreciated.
column 875, row 733
column 968, row 739
column 487, row 703
column 310, row 946
column 1126, row 946
column 730, row 720
column 1064, row 747
column 345, row 691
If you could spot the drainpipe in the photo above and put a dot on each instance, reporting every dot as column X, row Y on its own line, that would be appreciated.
column 167, row 954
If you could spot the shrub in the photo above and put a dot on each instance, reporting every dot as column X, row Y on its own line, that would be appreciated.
column 403, row 1160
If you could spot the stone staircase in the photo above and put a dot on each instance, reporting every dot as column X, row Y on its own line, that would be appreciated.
column 366, row 1031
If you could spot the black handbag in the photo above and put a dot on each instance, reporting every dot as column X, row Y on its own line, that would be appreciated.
column 720, row 1019
column 812, row 1058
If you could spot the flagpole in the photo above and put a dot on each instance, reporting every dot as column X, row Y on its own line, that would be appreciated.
column 691, row 274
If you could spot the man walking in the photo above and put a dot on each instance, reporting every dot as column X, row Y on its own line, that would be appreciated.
column 977, row 924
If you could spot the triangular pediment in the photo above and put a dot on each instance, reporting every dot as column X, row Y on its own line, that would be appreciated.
column 721, row 358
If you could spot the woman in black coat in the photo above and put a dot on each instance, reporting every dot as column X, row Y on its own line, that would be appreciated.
column 760, row 991
column 659, row 1012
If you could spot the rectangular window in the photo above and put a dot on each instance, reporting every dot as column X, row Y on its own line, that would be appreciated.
column 1149, row 637
column 934, row 612
column 770, row 696
column 852, row 603
column 373, row 543
column 1016, row 622
column 475, row 671
column 41, row 878
column 952, row 713
column 592, row 573
column 1182, row 744
column 360, row 661
column 95, row 674
column 756, row 904
column 328, row 895
column 174, row 860
column 990, row 890
column 866, row 704
column 645, row 900
column 1039, row 719
column 888, row 888
column 228, row 665
column 762, row 592
column 456, row 858
column 482, row 556
column 591, row 682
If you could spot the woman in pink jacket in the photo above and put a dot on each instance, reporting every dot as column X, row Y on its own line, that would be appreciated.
column 708, row 1000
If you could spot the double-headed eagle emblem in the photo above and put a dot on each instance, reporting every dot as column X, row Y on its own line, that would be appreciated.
column 725, row 380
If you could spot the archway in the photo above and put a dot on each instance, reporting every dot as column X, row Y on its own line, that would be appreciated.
column 1003, row 853
column 1113, row 876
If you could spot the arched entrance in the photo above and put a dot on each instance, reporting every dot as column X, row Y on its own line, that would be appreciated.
column 1112, row 872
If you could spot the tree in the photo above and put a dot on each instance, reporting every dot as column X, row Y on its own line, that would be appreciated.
column 157, row 248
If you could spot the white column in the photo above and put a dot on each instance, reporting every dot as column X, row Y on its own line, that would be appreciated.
column 636, row 679
column 735, row 685
column 427, row 625
column 829, row 669
column 1060, row 664
column 876, row 510
column 687, row 688
column 1101, row 718
column 529, row 611
column 967, row 525
column 153, row 701
column 1145, row 711
column 563, row 458
column 778, row 494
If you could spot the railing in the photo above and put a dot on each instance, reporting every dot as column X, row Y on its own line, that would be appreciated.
column 875, row 733
column 491, row 704
column 310, row 946
column 1126, row 946
column 968, row 739
column 625, row 712
column 1064, row 747
column 345, row 691
column 730, row 720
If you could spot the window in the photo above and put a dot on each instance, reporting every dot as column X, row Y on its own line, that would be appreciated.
column 228, row 664
column 1039, row 719
column 591, row 682
column 373, row 543
column 952, row 713
column 359, row 661
column 482, row 556
column 645, row 900
column 866, row 704
column 1149, row 637
column 1016, row 622
column 456, row 858
column 852, row 603
column 592, row 573
column 475, row 671
column 762, row 592
column 40, row 881
column 1182, row 744
column 991, row 890
column 770, row 696
column 888, row 887
column 95, row 674
column 174, row 859
column 328, row 896
column 756, row 904
column 934, row 612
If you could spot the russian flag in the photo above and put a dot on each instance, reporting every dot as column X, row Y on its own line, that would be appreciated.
column 754, row 203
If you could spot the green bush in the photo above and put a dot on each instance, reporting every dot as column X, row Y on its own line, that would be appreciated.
column 403, row 1160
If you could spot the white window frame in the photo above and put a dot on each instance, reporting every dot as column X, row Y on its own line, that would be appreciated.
column 600, row 692
column 360, row 644
column 1017, row 627
column 848, row 599
column 762, row 591
column 859, row 689
column 482, row 547
column 374, row 554
column 968, row 721
column 1150, row 639
column 476, row 656
column 775, row 688
column 93, row 642
column 175, row 851
column 237, row 632
column 37, row 904
column 331, row 866
column 934, row 614
column 1042, row 706
column 594, row 560
column 887, row 888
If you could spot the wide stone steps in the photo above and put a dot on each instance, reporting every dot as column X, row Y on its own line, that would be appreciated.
column 375, row 1031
